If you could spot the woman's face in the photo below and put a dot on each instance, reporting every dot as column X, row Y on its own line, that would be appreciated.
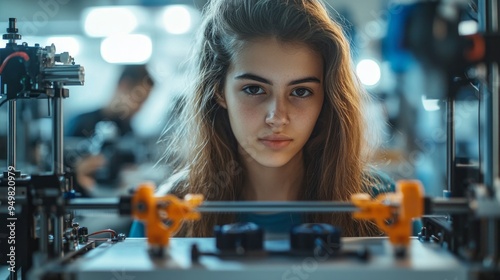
column 273, row 93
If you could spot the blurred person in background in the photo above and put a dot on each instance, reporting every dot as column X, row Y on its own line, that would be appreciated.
column 107, row 132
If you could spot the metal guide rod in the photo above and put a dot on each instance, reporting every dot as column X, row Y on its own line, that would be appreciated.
column 58, row 134
column 11, row 138
column 489, row 10
column 439, row 206
column 488, row 23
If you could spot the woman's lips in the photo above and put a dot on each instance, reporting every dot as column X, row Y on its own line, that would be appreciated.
column 276, row 141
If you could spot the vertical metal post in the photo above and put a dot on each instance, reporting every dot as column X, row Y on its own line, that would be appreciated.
column 58, row 233
column 488, row 23
column 491, row 259
column 494, row 85
column 11, row 139
column 44, row 233
column 57, row 129
column 450, row 140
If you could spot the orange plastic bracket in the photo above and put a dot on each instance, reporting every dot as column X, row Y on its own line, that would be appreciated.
column 400, row 208
column 163, row 216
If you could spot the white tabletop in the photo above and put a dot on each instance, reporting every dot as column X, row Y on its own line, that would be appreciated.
column 130, row 260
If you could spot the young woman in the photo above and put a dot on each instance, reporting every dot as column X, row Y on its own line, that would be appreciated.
column 275, row 114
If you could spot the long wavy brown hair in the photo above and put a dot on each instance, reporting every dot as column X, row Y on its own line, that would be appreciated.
column 202, row 145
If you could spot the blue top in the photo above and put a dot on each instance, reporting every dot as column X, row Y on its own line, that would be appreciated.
column 272, row 223
column 137, row 229
column 282, row 222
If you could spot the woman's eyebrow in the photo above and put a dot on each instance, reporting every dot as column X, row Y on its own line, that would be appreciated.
column 257, row 78
column 305, row 80
column 249, row 76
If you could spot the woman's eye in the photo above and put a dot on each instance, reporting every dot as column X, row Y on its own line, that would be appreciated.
column 253, row 90
column 301, row 92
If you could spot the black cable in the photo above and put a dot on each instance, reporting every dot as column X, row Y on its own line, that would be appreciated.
column 17, row 96
column 3, row 102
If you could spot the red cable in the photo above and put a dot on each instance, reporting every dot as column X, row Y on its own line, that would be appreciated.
column 14, row 54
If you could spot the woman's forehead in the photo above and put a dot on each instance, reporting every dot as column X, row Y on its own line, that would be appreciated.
column 271, row 56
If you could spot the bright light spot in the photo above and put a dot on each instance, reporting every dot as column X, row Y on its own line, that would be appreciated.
column 107, row 21
column 467, row 27
column 65, row 44
column 430, row 104
column 368, row 72
column 177, row 19
column 128, row 48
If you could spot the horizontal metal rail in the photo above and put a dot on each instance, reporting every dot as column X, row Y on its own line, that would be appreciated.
column 438, row 206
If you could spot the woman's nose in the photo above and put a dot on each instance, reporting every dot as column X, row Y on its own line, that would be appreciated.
column 277, row 115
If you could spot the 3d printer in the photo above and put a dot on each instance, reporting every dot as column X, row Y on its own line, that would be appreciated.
column 33, row 72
